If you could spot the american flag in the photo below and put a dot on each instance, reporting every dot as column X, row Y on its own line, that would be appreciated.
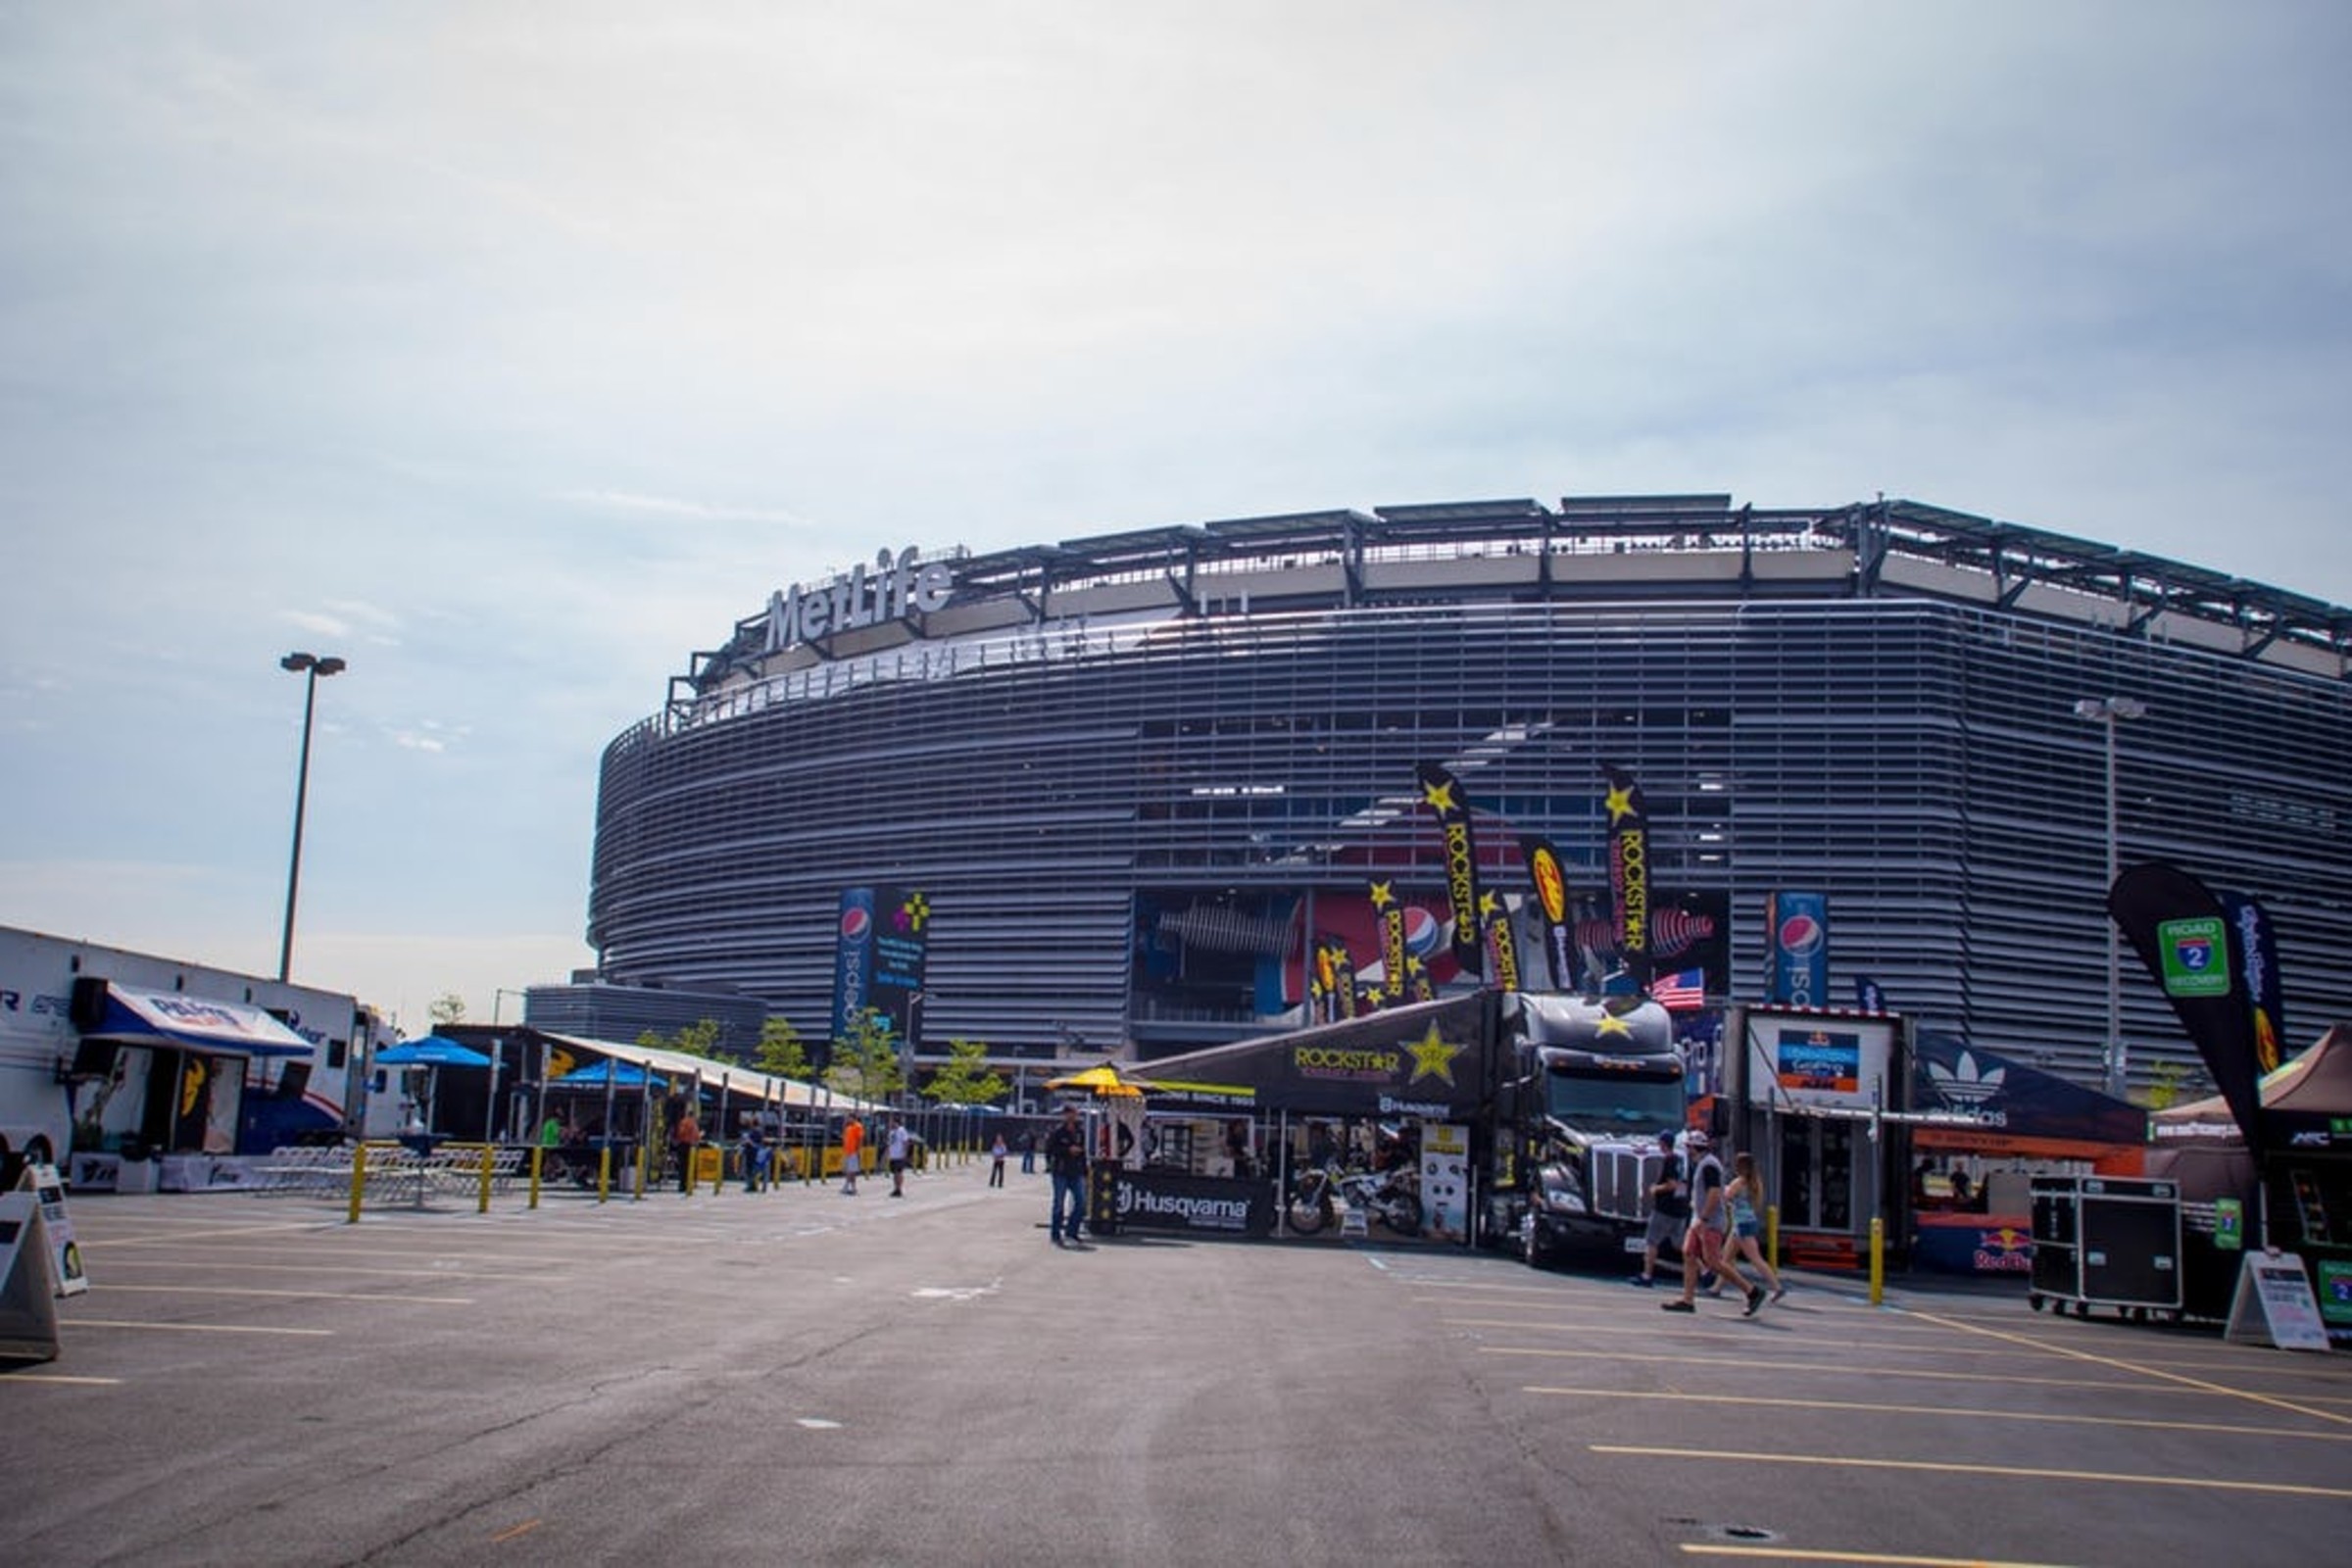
column 1681, row 993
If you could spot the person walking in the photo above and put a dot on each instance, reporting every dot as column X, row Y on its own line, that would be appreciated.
column 1702, row 1243
column 995, row 1162
column 1029, row 1152
column 1669, row 1210
column 896, row 1150
column 1746, row 1237
column 685, row 1136
column 754, row 1156
column 852, row 1144
column 1065, row 1162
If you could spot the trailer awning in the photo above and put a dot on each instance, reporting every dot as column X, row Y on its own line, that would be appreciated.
column 198, row 1023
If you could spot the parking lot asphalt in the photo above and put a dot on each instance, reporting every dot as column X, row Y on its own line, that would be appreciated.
column 802, row 1377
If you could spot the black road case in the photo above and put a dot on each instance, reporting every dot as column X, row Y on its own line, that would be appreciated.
column 2106, row 1241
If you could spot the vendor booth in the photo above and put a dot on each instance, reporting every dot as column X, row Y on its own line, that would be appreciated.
column 1223, row 1131
column 2290, row 1187
column 1986, row 1127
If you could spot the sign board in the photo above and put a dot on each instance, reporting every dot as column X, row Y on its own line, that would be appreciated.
column 2272, row 1287
column 27, row 1305
column 65, row 1256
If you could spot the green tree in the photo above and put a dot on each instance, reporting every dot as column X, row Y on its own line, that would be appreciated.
column 966, row 1078
column 783, row 1051
column 699, row 1039
column 446, row 1007
column 865, row 1059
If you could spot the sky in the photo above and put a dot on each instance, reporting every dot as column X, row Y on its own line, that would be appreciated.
column 513, row 352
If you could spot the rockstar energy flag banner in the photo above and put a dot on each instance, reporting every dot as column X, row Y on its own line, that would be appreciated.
column 1628, row 872
column 1443, row 796
column 1494, row 921
column 2182, row 933
column 1338, row 967
column 1551, row 878
column 1391, row 939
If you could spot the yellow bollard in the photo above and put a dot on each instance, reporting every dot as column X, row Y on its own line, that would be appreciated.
column 538, row 1153
column 1772, row 1236
column 604, row 1173
column 359, row 1179
column 1878, row 1261
column 641, row 1153
column 488, row 1153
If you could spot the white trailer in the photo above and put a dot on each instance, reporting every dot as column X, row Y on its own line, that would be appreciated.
column 118, row 1056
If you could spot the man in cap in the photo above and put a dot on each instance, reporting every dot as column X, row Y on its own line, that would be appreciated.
column 1702, row 1243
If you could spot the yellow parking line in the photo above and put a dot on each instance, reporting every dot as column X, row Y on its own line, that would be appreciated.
column 111, row 1289
column 332, row 1268
column 1703, row 1548
column 1943, row 1411
column 166, row 1238
column 189, row 1328
column 1832, row 1368
column 2281, row 1488
column 2148, row 1371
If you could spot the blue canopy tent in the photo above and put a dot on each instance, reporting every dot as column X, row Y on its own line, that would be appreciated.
column 617, row 1074
column 432, row 1050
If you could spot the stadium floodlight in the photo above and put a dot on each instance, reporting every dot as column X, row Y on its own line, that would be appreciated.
column 2109, row 712
column 311, row 668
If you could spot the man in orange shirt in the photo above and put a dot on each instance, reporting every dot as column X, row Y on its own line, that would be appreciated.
column 853, row 1143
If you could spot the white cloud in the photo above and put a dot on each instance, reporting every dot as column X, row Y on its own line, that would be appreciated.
column 519, row 362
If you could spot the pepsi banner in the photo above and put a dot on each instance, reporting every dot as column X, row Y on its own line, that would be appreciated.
column 1551, row 879
column 2183, row 936
column 1441, row 793
column 1797, row 949
column 1628, row 872
column 853, row 960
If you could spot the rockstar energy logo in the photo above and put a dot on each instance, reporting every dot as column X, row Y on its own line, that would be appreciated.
column 1335, row 1061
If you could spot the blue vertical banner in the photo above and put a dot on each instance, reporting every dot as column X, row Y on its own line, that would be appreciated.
column 853, row 960
column 901, row 949
column 1798, row 949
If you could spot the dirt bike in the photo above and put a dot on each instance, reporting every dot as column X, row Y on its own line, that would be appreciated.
column 1384, row 1196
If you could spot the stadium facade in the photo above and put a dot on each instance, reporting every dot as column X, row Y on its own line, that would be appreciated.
column 1135, row 775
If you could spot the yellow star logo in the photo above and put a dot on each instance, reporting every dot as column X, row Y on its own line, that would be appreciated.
column 1381, row 896
column 1488, row 906
column 1440, row 795
column 1620, row 802
column 914, row 912
column 1433, row 1058
column 1610, row 1024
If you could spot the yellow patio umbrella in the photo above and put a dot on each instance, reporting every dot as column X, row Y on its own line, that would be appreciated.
column 1105, row 1080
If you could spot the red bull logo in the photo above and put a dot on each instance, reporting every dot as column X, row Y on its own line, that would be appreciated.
column 2005, row 1251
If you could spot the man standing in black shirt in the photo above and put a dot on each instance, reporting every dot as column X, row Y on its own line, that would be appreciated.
column 1065, row 1162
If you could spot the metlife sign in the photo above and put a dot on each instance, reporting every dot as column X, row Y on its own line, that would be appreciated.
column 897, row 587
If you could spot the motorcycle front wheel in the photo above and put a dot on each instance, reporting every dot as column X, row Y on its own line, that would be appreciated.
column 1404, row 1214
column 1310, row 1214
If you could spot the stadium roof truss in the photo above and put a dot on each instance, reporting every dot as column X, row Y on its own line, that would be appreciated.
column 1325, row 558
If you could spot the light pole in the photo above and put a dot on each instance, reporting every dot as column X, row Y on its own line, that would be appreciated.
column 2109, row 712
column 311, row 668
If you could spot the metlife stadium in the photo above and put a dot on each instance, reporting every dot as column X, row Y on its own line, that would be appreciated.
column 1137, row 776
